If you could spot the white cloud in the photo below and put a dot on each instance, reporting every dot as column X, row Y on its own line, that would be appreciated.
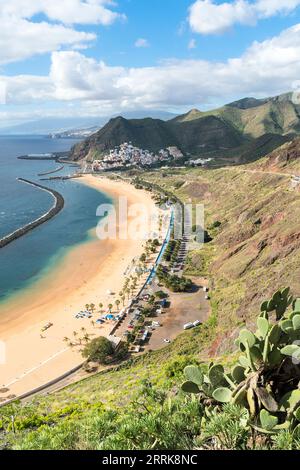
column 265, row 69
column 66, row 11
column 142, row 42
column 207, row 17
column 78, row 77
column 30, row 38
column 22, row 36
column 192, row 44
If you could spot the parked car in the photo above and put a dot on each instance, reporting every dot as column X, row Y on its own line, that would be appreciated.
column 188, row 326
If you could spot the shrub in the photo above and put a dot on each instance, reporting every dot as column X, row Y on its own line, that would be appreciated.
column 98, row 350
column 161, row 295
column 173, row 282
column 216, row 224
column 226, row 430
column 178, row 184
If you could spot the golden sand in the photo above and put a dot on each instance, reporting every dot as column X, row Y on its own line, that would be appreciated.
column 85, row 275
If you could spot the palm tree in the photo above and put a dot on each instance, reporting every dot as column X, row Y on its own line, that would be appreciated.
column 123, row 299
column 93, row 323
column 92, row 307
column 117, row 302
column 87, row 306
column 70, row 344
column 110, row 306
column 75, row 334
column 100, row 307
column 66, row 340
column 86, row 337
column 82, row 329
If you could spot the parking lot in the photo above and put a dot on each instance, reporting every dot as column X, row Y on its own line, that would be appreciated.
column 184, row 308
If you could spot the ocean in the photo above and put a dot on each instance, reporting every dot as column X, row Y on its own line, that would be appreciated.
column 27, row 259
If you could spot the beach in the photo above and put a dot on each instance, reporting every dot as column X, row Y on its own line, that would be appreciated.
column 84, row 276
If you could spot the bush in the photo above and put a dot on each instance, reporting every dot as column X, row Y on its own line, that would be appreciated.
column 98, row 350
column 216, row 224
column 161, row 295
column 226, row 430
column 178, row 184
column 173, row 282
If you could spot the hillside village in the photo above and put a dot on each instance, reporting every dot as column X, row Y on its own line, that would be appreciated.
column 127, row 155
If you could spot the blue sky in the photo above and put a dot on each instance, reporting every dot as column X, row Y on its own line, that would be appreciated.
column 97, row 57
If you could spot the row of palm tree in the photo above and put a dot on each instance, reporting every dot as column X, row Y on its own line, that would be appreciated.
column 129, row 287
column 79, row 340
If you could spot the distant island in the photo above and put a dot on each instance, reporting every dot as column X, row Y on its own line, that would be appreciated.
column 74, row 133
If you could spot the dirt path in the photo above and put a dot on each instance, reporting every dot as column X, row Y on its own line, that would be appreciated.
column 240, row 170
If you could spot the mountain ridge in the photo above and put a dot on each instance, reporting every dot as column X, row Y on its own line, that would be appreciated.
column 199, row 132
column 54, row 125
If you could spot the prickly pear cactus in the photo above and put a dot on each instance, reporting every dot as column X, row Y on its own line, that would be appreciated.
column 266, row 379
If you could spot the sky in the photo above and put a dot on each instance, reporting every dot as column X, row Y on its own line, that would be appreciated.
column 103, row 57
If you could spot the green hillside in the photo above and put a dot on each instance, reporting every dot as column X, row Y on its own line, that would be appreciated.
column 196, row 133
column 248, row 152
column 255, row 118
column 193, row 137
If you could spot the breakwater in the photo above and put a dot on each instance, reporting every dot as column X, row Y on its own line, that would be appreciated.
column 38, row 158
column 62, row 178
column 52, row 171
column 55, row 209
column 60, row 157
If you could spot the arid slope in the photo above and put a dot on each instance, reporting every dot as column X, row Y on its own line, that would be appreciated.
column 255, row 250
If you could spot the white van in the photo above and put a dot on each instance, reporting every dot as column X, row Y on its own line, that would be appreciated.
column 188, row 326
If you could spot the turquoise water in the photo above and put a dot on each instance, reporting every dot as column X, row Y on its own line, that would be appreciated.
column 25, row 260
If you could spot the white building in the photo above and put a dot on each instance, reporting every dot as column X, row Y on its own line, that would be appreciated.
column 128, row 155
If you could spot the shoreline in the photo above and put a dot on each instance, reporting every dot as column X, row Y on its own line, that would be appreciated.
column 85, row 275
column 59, row 203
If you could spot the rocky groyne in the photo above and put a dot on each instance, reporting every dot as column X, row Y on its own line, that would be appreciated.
column 55, row 209
column 52, row 171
